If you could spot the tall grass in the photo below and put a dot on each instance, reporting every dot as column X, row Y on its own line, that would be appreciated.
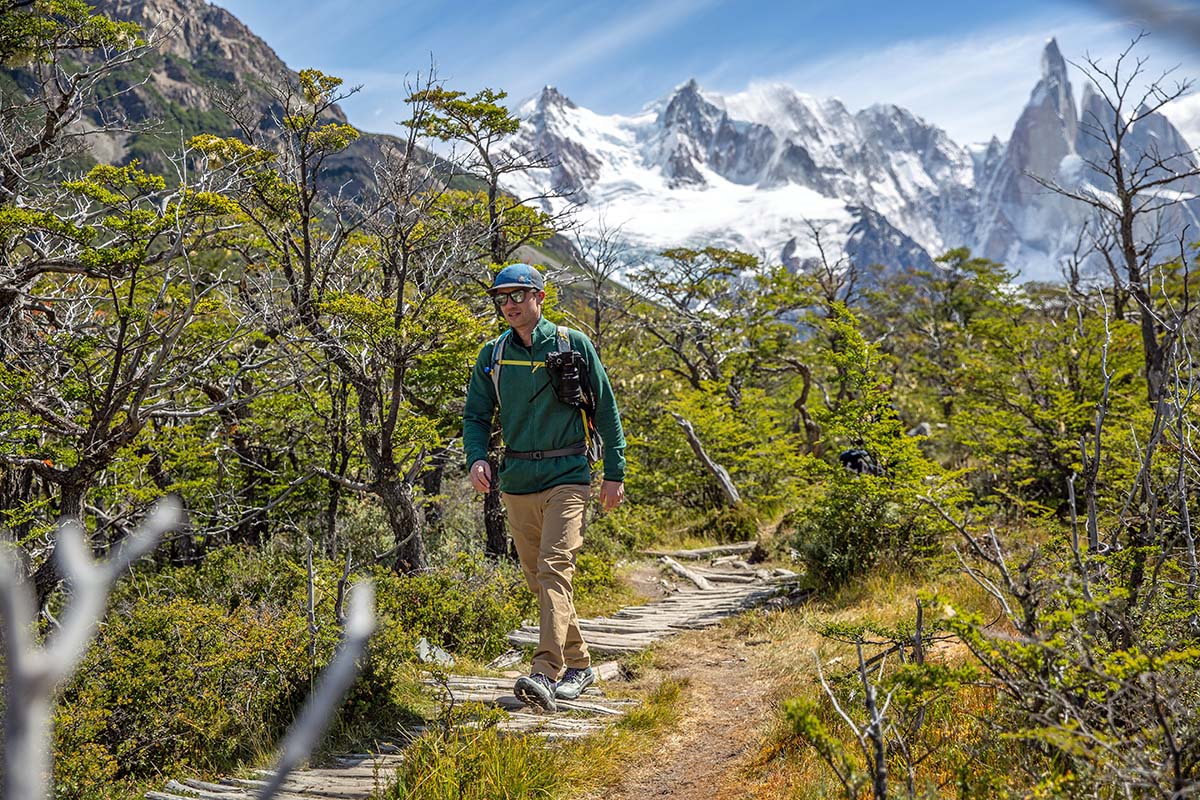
column 473, row 763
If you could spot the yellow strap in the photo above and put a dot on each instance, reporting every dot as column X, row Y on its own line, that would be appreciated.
column 534, row 364
column 587, row 434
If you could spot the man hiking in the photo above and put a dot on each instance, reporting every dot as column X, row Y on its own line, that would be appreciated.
column 554, row 398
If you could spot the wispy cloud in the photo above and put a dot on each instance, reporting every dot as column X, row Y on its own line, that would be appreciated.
column 973, row 86
column 627, row 31
column 584, row 55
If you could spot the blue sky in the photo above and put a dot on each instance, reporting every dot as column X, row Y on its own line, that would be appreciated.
column 967, row 66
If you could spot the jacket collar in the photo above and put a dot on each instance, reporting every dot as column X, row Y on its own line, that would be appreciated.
column 543, row 331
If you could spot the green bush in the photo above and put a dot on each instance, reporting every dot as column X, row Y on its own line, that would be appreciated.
column 850, row 521
column 229, row 578
column 202, row 668
column 630, row 527
column 467, row 608
column 843, row 534
column 177, row 685
column 730, row 524
column 857, row 520
column 593, row 576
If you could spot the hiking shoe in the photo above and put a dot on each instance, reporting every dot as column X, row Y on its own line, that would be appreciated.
column 573, row 682
column 536, row 690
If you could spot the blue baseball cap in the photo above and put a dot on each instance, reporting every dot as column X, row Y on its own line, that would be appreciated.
column 518, row 276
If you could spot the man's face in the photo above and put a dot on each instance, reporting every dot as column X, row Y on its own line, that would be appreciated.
column 519, row 306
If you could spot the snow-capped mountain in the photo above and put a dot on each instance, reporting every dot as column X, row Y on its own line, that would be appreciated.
column 767, row 169
column 1031, row 228
column 760, row 171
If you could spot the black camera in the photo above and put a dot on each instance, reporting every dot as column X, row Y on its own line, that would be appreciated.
column 566, row 371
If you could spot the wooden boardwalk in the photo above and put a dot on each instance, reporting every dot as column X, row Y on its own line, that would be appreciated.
column 733, row 587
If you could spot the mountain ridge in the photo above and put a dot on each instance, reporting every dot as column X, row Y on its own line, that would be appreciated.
column 879, row 180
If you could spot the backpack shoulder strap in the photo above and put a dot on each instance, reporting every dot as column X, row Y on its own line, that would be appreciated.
column 497, row 362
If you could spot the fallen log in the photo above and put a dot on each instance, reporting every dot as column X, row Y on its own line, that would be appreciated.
column 682, row 571
column 705, row 552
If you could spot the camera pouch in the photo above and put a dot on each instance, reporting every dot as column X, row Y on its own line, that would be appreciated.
column 565, row 356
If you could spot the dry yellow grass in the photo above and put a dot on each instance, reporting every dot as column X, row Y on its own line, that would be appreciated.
column 788, row 767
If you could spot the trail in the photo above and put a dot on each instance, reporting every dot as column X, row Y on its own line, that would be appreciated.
column 726, row 704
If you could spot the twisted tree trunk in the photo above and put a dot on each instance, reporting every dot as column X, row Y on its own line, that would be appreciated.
column 719, row 473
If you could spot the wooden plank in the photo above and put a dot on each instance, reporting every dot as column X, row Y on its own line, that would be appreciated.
column 705, row 552
column 727, row 577
column 212, row 787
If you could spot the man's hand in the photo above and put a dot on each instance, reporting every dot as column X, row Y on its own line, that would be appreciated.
column 481, row 475
column 611, row 494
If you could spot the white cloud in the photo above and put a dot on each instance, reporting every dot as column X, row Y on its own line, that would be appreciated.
column 1185, row 115
column 973, row 86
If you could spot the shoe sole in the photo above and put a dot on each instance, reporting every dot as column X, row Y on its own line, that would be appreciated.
column 531, row 697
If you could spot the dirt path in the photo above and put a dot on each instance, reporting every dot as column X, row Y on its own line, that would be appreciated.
column 727, row 703
column 728, row 709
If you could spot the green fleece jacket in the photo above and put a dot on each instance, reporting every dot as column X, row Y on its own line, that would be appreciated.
column 532, row 418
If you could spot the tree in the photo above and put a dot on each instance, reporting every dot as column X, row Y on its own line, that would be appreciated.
column 482, row 125
column 1135, row 187
column 719, row 332
column 100, row 351
column 598, row 260
column 40, row 105
column 372, row 285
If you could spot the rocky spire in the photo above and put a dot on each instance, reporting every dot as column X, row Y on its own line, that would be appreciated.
column 689, row 124
column 551, row 96
column 1057, row 87
column 1014, row 207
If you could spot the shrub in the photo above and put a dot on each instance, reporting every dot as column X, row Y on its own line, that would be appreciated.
column 177, row 684
column 200, row 668
column 730, row 524
column 628, row 528
column 842, row 534
column 851, row 520
column 593, row 576
column 467, row 608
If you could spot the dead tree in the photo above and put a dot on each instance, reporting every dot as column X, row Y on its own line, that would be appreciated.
column 599, row 259
column 719, row 473
column 1135, row 191
column 35, row 673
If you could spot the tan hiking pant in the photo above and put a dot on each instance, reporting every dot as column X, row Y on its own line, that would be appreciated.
column 547, row 529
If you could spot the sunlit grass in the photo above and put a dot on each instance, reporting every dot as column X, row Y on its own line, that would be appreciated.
column 956, row 728
column 483, row 763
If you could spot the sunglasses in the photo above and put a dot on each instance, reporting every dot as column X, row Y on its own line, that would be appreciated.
column 518, row 296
